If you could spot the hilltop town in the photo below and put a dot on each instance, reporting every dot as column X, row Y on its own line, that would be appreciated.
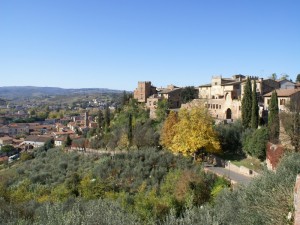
column 222, row 96
column 190, row 146
column 35, row 122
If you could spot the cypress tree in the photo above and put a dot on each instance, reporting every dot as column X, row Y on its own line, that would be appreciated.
column 247, row 104
column 273, row 118
column 68, row 141
column 254, row 113
column 100, row 122
column 107, row 119
column 129, row 134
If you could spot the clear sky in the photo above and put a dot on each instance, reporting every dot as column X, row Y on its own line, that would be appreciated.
column 116, row 43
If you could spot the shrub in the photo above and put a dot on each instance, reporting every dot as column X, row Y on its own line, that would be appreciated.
column 255, row 141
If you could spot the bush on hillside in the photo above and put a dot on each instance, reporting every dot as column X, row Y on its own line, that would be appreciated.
column 267, row 200
column 255, row 142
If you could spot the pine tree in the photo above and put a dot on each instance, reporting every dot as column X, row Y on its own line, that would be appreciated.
column 273, row 118
column 247, row 105
column 254, row 113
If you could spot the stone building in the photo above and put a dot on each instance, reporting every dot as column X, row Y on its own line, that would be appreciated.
column 223, row 96
column 171, row 93
column 144, row 91
column 285, row 97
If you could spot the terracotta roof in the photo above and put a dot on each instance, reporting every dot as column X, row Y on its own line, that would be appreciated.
column 6, row 138
column 283, row 92
column 167, row 91
column 34, row 138
column 64, row 132
column 231, row 83
column 205, row 85
column 3, row 158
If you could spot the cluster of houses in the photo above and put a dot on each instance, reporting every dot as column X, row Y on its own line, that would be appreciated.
column 222, row 96
column 26, row 136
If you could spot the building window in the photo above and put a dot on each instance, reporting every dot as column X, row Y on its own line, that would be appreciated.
column 216, row 83
column 268, row 101
column 219, row 106
column 282, row 101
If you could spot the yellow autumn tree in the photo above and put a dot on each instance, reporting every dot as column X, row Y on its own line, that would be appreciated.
column 168, row 132
column 193, row 132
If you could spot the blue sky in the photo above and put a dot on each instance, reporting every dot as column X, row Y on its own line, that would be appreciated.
column 116, row 43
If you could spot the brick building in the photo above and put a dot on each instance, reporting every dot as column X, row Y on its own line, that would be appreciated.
column 144, row 91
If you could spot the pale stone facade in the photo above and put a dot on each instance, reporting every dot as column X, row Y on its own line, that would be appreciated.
column 223, row 96
column 285, row 97
column 171, row 93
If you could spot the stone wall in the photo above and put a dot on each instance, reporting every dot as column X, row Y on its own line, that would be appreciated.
column 297, row 201
column 240, row 169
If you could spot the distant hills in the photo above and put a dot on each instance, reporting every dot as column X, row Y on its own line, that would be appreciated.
column 31, row 91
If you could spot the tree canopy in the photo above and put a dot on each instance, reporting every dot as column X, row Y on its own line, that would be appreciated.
column 247, row 104
column 273, row 118
column 193, row 132
column 188, row 93
column 298, row 78
column 254, row 112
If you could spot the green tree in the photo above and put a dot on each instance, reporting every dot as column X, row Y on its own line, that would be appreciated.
column 144, row 135
column 247, row 104
column 291, row 122
column 7, row 149
column 130, row 127
column 298, row 78
column 100, row 123
column 68, row 141
column 230, row 137
column 72, row 183
column 25, row 156
column 254, row 113
column 124, row 99
column 188, row 93
column 255, row 141
column 273, row 118
column 49, row 144
column 162, row 109
column 273, row 76
column 284, row 76
column 107, row 119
